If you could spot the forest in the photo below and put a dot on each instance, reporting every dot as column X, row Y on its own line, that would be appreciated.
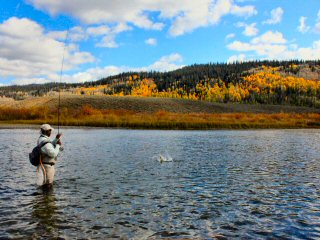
column 292, row 82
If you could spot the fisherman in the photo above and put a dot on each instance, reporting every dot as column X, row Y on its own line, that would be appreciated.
column 49, row 152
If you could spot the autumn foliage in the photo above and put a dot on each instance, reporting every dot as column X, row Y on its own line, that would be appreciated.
column 266, row 85
column 232, row 84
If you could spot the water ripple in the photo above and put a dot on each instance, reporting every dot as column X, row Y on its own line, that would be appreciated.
column 220, row 185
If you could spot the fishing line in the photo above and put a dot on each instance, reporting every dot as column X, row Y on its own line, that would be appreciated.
column 59, row 85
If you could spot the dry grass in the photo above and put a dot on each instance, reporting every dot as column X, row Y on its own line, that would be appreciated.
column 152, row 105
column 156, row 113
column 89, row 116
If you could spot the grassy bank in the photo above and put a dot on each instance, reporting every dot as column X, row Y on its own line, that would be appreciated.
column 88, row 116
column 149, row 105
column 146, row 113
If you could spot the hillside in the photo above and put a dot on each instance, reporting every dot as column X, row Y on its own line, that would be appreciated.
column 266, row 82
column 151, row 105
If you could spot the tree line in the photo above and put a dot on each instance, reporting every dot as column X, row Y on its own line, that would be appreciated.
column 275, row 82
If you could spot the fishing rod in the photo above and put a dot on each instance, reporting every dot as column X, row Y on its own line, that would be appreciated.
column 59, row 85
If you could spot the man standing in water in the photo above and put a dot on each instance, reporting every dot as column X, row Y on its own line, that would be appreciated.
column 49, row 152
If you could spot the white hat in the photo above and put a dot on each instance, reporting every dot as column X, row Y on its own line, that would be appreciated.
column 46, row 127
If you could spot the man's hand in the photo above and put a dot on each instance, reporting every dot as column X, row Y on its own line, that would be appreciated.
column 59, row 142
column 58, row 135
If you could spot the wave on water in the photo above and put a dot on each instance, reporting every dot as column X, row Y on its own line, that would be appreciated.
column 161, row 158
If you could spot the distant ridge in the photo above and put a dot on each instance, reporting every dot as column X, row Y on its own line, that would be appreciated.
column 225, row 71
column 292, row 82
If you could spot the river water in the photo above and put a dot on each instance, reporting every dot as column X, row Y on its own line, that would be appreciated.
column 110, row 185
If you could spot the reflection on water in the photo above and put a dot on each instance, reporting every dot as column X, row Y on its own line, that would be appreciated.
column 111, row 184
column 44, row 212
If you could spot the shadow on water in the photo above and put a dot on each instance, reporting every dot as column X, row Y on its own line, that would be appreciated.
column 45, row 213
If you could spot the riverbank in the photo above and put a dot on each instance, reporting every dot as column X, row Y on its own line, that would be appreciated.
column 164, row 120
column 153, row 113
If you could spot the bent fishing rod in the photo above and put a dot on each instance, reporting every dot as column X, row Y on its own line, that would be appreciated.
column 59, row 85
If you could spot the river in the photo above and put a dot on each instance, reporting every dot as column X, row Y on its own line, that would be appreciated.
column 110, row 184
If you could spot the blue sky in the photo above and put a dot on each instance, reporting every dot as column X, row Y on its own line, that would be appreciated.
column 110, row 37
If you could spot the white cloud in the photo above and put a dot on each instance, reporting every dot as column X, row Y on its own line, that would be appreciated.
column 98, row 31
column 231, row 35
column 57, row 35
column 245, row 11
column 240, row 46
column 273, row 46
column 77, row 34
column 276, row 16
column 249, row 29
column 303, row 28
column 185, row 15
column 151, row 41
column 269, row 37
column 237, row 58
column 165, row 63
column 91, row 74
column 24, row 81
column 205, row 13
column 268, row 44
column 108, row 41
column 97, row 11
column 121, row 27
column 26, row 51
column 108, row 34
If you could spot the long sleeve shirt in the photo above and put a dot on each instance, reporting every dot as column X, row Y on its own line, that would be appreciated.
column 49, row 151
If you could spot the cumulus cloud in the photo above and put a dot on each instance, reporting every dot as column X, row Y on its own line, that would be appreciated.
column 276, row 16
column 97, row 12
column 269, row 37
column 185, row 15
column 57, row 35
column 108, row 34
column 273, row 46
column 237, row 58
column 99, row 30
column 207, row 13
column 151, row 41
column 249, row 29
column 303, row 28
column 75, row 34
column 25, row 81
column 26, row 51
column 165, row 63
